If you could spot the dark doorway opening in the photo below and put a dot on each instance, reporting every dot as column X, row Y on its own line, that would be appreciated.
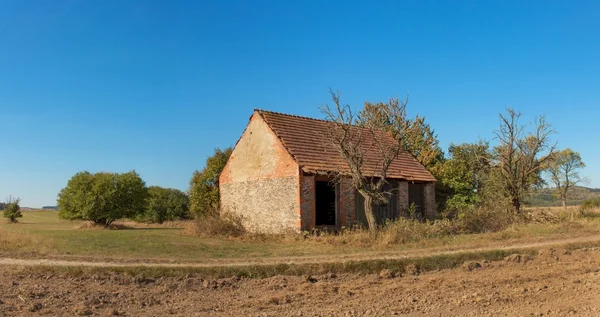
column 325, row 203
column 415, row 196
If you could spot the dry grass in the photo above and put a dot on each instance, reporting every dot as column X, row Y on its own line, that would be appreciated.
column 217, row 227
column 23, row 243
column 481, row 228
column 44, row 233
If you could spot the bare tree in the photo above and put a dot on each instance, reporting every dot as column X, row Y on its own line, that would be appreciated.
column 522, row 156
column 367, row 150
column 564, row 173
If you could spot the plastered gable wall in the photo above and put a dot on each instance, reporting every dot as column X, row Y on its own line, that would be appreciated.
column 260, row 182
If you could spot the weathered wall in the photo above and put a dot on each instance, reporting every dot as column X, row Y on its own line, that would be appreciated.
column 429, row 200
column 260, row 182
column 307, row 201
column 347, row 202
column 402, row 197
column 346, row 209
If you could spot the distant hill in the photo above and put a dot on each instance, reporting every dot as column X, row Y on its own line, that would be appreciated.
column 49, row 207
column 544, row 197
column 593, row 190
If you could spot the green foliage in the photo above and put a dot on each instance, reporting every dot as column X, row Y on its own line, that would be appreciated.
column 165, row 204
column 204, row 185
column 12, row 210
column 102, row 198
column 464, row 175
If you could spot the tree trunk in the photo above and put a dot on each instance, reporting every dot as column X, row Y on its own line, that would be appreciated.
column 516, row 205
column 564, row 204
column 369, row 213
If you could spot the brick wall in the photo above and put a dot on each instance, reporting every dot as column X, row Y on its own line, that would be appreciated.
column 307, row 201
column 402, row 197
column 345, row 197
column 347, row 202
column 429, row 193
column 260, row 182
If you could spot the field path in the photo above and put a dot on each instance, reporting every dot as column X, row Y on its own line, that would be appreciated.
column 370, row 256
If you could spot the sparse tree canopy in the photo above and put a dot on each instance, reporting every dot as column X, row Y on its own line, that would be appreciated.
column 12, row 210
column 563, row 171
column 165, row 204
column 521, row 155
column 415, row 136
column 102, row 198
column 204, row 185
column 380, row 129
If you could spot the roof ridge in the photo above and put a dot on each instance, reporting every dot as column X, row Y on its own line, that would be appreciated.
column 290, row 115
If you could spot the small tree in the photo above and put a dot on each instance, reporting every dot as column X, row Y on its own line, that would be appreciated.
column 522, row 156
column 465, row 174
column 165, row 204
column 204, row 185
column 375, row 134
column 12, row 210
column 564, row 173
column 102, row 198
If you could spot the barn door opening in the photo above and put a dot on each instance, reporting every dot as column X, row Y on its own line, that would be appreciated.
column 415, row 196
column 325, row 203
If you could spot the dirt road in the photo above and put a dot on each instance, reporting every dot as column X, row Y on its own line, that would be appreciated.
column 376, row 255
column 553, row 283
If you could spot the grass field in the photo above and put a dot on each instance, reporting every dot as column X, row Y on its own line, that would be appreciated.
column 43, row 234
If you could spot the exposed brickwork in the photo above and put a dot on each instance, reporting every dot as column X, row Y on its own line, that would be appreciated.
column 307, row 201
column 429, row 193
column 264, row 184
column 402, row 197
column 260, row 182
column 347, row 202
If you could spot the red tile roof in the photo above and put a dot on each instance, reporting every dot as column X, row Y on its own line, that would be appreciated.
column 307, row 140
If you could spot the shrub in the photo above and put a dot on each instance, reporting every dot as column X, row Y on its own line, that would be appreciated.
column 485, row 219
column 590, row 204
column 406, row 230
column 215, row 226
column 204, row 185
column 102, row 198
column 12, row 210
column 165, row 204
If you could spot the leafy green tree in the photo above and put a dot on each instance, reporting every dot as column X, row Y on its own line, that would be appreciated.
column 12, row 210
column 165, row 204
column 204, row 185
column 465, row 173
column 102, row 198
column 563, row 170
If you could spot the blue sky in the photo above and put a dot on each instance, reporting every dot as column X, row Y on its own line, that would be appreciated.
column 155, row 86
